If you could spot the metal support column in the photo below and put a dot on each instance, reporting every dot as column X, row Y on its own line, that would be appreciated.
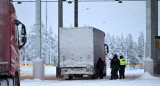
column 60, row 13
column 38, row 64
column 60, row 24
column 76, row 13
column 151, row 28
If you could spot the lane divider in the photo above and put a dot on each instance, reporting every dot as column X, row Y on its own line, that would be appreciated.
column 136, row 64
column 51, row 64
column 32, row 64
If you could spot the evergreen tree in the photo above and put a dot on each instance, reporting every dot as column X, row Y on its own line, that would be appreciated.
column 125, row 47
column 54, row 50
column 30, row 45
column 140, row 47
column 131, row 54
column 49, row 46
column 122, row 46
column 44, row 44
column 117, row 46
column 112, row 46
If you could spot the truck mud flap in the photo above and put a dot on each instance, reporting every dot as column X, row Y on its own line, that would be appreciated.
column 10, row 82
column 3, row 83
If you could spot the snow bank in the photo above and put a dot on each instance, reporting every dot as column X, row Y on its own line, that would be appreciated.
column 26, row 70
column 148, row 59
column 147, row 75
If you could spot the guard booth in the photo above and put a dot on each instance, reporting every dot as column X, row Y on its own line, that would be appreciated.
column 157, row 56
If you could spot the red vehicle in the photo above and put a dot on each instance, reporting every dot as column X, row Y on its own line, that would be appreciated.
column 10, row 42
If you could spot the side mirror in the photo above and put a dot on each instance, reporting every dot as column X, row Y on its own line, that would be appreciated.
column 106, row 49
column 23, row 34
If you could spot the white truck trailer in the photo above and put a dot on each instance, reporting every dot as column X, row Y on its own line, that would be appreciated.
column 79, row 51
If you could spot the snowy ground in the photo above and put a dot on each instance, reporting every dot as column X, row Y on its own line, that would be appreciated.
column 104, row 82
column 144, row 80
column 51, row 70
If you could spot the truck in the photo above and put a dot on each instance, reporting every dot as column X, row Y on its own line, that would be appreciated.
column 79, row 50
column 11, row 41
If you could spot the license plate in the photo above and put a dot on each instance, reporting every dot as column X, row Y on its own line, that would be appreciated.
column 77, row 69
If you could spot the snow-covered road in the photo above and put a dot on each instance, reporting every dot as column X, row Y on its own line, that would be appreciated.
column 145, row 79
column 104, row 82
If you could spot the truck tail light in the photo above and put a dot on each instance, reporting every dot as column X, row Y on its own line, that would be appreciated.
column 65, row 70
column 88, row 70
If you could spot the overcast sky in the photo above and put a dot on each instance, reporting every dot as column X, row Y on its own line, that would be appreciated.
column 110, row 17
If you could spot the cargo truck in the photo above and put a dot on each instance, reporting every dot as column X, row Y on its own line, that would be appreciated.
column 10, row 43
column 79, row 50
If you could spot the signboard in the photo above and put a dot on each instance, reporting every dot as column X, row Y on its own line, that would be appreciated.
column 156, row 43
column 157, row 56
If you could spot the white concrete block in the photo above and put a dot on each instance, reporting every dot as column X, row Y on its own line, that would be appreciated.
column 38, row 69
column 148, row 65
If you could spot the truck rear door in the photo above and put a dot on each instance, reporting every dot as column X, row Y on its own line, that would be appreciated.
column 76, row 47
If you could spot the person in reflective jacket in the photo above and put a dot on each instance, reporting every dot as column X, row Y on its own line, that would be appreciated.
column 122, row 67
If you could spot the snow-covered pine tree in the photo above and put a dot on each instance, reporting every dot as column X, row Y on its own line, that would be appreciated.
column 49, row 52
column 131, row 51
column 54, row 47
column 112, row 46
column 30, row 45
column 117, row 46
column 53, row 41
column 122, row 46
column 131, row 54
column 108, row 41
column 140, row 47
column 44, row 44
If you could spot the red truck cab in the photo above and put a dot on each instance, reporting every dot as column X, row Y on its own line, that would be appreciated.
column 10, row 43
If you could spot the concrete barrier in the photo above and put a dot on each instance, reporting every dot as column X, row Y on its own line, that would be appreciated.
column 148, row 65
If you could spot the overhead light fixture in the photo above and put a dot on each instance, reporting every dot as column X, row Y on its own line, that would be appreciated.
column 69, row 2
column 19, row 2
column 120, row 2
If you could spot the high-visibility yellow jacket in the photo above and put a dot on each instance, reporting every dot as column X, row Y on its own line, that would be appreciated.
column 122, row 61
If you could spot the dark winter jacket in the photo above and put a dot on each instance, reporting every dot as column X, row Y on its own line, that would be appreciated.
column 100, row 64
column 115, row 63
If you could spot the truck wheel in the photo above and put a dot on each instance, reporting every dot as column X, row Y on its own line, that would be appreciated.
column 70, row 77
column 93, row 76
column 16, row 80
